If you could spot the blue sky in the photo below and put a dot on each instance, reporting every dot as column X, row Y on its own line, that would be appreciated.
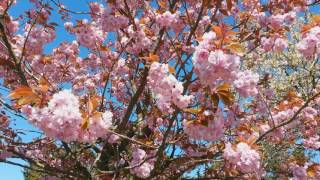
column 12, row 172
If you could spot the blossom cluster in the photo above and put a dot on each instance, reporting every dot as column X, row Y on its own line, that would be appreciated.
column 275, row 21
column 273, row 43
column 168, row 19
column 140, row 168
column 166, row 87
column 312, row 142
column 246, row 82
column 62, row 119
column 61, row 66
column 309, row 44
column 299, row 172
column 36, row 38
column 111, row 22
column 302, row 172
column 140, row 43
column 211, row 132
column 88, row 34
column 246, row 159
column 216, row 66
column 4, row 5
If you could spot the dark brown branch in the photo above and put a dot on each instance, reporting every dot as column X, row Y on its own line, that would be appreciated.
column 24, row 166
column 107, row 80
column 130, row 15
column 288, row 121
column 132, row 140
column 11, row 53
column 140, row 89
column 194, row 28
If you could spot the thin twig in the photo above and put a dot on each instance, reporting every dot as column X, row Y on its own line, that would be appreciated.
column 132, row 140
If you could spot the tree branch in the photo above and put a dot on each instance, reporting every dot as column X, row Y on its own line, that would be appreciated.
column 288, row 121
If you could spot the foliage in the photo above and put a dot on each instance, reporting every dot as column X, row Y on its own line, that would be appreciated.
column 212, row 89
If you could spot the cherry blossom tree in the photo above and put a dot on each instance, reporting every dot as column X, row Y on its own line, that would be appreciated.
column 208, row 89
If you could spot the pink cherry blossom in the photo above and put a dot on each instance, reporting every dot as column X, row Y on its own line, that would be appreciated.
column 137, row 89
column 63, row 112
column 246, row 83
column 299, row 172
column 279, row 45
column 110, row 22
column 309, row 44
column 243, row 156
column 212, row 132
column 142, row 170
column 166, row 88
column 312, row 142
column 88, row 34
column 218, row 66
